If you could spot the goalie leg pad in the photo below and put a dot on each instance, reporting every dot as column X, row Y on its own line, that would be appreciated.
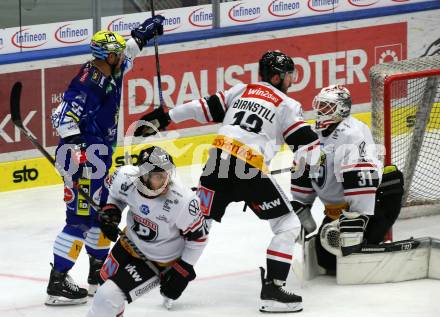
column 388, row 262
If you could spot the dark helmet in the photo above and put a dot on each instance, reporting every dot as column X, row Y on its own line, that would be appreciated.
column 275, row 62
column 155, row 159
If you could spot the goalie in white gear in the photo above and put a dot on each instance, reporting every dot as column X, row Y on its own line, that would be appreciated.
column 347, row 181
column 164, row 221
column 256, row 120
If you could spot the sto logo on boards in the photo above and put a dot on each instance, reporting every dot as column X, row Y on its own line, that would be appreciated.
column 25, row 175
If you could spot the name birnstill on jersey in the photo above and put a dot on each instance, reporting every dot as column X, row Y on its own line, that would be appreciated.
column 257, row 116
column 164, row 228
column 348, row 174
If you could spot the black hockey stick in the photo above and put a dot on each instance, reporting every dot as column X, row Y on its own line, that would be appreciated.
column 16, row 119
column 156, row 54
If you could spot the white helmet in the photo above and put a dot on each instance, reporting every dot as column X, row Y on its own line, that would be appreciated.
column 331, row 105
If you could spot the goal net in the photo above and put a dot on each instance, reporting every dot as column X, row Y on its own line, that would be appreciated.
column 405, row 117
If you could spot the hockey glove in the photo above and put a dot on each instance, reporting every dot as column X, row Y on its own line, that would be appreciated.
column 304, row 215
column 352, row 226
column 147, row 30
column 109, row 217
column 157, row 119
column 176, row 279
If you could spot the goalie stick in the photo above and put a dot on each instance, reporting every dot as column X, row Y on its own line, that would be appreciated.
column 16, row 119
column 156, row 54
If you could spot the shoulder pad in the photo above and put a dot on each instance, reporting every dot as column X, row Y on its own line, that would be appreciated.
column 91, row 77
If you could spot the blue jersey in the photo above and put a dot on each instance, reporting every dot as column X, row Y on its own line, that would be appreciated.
column 90, row 105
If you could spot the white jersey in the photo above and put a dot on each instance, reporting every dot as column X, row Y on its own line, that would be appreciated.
column 164, row 228
column 349, row 173
column 256, row 115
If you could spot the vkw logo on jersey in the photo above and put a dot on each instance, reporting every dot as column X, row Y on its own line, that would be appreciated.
column 323, row 5
column 362, row 3
column 282, row 9
column 266, row 205
column 200, row 18
column 69, row 35
column 244, row 12
column 144, row 209
column 131, row 269
column 27, row 39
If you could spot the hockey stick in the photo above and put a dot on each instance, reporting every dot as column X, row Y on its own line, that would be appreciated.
column 156, row 54
column 16, row 119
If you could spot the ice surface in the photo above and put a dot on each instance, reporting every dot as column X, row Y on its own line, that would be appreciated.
column 228, row 282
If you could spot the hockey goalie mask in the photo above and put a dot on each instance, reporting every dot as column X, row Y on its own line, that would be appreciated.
column 156, row 171
column 331, row 105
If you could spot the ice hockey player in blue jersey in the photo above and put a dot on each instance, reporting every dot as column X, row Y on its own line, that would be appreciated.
column 86, row 121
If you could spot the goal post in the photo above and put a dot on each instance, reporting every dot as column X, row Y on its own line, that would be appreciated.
column 405, row 116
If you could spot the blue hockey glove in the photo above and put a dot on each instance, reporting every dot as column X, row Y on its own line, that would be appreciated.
column 147, row 30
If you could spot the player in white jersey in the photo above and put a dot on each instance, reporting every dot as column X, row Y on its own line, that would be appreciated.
column 164, row 221
column 348, row 178
column 257, row 119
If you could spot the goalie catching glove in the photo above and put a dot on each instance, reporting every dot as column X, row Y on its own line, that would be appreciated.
column 156, row 120
column 109, row 218
column 352, row 226
column 176, row 279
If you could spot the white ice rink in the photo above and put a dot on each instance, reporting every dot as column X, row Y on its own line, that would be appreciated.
column 228, row 282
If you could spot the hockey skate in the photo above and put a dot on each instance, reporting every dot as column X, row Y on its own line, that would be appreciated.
column 275, row 299
column 93, row 279
column 62, row 290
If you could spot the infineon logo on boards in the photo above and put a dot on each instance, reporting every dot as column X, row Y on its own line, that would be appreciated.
column 70, row 35
column 172, row 23
column 200, row 18
column 284, row 8
column 121, row 26
column 323, row 5
column 28, row 39
column 362, row 3
column 244, row 12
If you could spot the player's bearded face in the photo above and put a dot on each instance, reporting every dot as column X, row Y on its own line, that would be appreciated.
column 116, row 61
column 288, row 80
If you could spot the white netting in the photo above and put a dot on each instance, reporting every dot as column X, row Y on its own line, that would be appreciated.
column 414, row 127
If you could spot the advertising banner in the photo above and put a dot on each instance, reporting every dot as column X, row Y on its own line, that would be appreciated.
column 245, row 12
column 44, row 36
column 340, row 57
